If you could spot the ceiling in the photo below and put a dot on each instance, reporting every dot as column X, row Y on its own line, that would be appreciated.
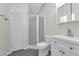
column 34, row 8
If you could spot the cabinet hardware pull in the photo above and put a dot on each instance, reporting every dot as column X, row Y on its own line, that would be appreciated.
column 71, row 48
column 63, row 52
column 55, row 42
column 60, row 50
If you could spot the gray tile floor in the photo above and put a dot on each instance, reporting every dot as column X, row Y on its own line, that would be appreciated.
column 25, row 52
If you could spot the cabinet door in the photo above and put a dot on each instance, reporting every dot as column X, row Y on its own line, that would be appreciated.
column 75, row 7
column 56, row 50
column 68, row 53
column 75, row 10
column 68, row 46
column 64, row 13
column 67, row 12
column 59, row 14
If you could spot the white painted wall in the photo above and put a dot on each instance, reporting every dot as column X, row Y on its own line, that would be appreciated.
column 5, row 27
column 34, row 8
column 49, row 11
column 4, row 30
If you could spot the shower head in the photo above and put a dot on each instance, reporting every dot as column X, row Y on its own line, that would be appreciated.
column 4, row 17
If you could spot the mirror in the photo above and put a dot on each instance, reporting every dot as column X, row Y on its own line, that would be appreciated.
column 66, row 14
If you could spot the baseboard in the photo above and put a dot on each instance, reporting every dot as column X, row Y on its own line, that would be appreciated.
column 26, row 47
column 32, row 47
column 8, row 53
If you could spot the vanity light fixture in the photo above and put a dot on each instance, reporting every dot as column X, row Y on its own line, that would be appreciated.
column 65, row 18
column 61, row 19
column 73, row 17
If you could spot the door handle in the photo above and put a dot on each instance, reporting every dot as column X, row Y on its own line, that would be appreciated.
column 71, row 48
column 63, row 52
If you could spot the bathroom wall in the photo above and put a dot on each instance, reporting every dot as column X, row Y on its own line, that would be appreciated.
column 5, row 25
column 4, row 30
column 49, row 11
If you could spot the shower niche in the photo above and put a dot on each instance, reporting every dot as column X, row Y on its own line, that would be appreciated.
column 36, row 29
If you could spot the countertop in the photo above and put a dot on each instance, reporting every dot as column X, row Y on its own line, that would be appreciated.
column 73, row 40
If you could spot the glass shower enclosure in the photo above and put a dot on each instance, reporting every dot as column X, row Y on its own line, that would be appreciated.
column 36, row 29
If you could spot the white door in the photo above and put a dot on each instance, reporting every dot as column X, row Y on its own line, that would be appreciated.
column 17, row 30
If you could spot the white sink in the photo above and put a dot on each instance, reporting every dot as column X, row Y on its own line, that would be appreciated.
column 65, row 38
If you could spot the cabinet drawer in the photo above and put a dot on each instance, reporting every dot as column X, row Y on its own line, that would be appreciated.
column 56, row 51
column 59, row 51
column 68, row 46
column 68, row 53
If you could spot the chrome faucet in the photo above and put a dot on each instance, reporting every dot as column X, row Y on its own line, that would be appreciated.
column 69, row 32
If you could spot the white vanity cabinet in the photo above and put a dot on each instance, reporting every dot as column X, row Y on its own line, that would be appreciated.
column 67, row 17
column 56, row 50
column 59, row 15
column 59, row 47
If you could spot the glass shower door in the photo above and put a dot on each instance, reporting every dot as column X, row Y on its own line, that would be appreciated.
column 32, row 30
column 41, row 29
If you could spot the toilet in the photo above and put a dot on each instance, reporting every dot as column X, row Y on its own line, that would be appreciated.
column 43, row 48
